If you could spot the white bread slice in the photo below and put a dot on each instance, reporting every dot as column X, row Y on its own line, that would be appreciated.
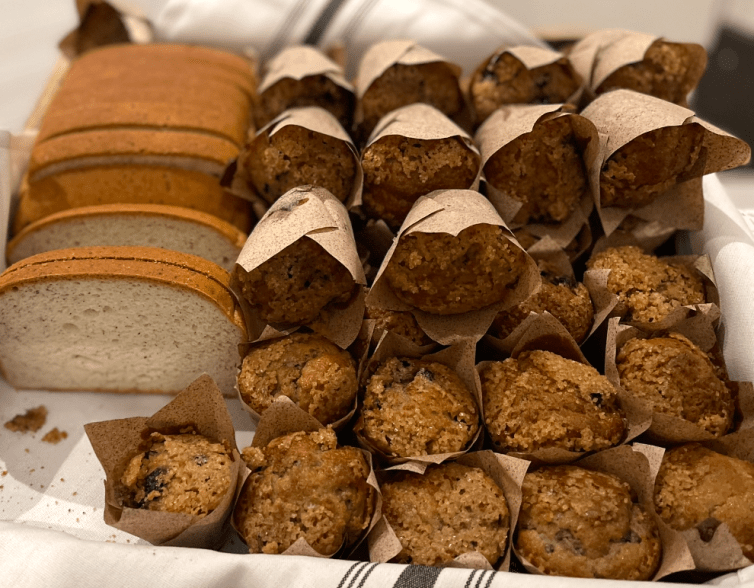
column 118, row 319
column 152, row 225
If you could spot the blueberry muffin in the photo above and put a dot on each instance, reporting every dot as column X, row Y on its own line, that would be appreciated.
column 540, row 400
column 648, row 288
column 543, row 169
column 579, row 523
column 316, row 374
column 401, row 323
column 450, row 510
column 442, row 274
column 184, row 473
column 415, row 407
column 504, row 79
column 562, row 296
column 677, row 378
column 304, row 485
column 699, row 488
column 296, row 284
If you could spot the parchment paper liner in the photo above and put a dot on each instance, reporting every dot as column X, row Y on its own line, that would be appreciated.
column 425, row 123
column 532, row 57
column 202, row 406
column 666, row 428
column 316, row 119
column 459, row 357
column 299, row 62
column 508, row 124
column 544, row 332
column 381, row 56
column 596, row 282
column 282, row 418
column 600, row 54
column 256, row 416
column 507, row 472
column 548, row 250
column 621, row 116
column 313, row 213
column 637, row 465
column 451, row 211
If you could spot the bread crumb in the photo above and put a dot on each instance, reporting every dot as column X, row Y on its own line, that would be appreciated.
column 55, row 436
column 33, row 420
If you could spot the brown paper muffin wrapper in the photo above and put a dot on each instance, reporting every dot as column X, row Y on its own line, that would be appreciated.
column 382, row 56
column 596, row 282
column 638, row 466
column 459, row 357
column 665, row 428
column 313, row 118
column 507, row 124
column 544, row 332
column 452, row 211
column 621, row 116
column 313, row 213
column 548, row 250
column 200, row 406
column 507, row 472
column 301, row 62
column 283, row 418
column 600, row 54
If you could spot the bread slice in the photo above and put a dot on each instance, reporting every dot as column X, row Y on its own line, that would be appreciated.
column 153, row 225
column 118, row 319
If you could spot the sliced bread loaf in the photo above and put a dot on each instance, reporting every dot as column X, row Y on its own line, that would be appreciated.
column 118, row 319
column 151, row 225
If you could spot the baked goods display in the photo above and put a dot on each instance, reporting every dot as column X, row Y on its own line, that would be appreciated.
column 586, row 524
column 313, row 372
column 540, row 400
column 303, row 485
column 296, row 296
column 449, row 510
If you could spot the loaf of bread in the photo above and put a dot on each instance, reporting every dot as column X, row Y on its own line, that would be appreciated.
column 118, row 319
column 153, row 124
column 152, row 225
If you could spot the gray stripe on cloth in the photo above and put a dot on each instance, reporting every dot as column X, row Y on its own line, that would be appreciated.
column 417, row 577
column 348, row 573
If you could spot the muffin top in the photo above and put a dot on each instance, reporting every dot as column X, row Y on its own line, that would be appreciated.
column 185, row 473
column 541, row 400
column 648, row 288
column 580, row 523
column 677, row 378
column 450, row 510
column 698, row 487
column 313, row 372
column 304, row 485
column 415, row 407
column 442, row 274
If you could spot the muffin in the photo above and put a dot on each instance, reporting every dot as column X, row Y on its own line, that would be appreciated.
column 579, row 523
column 314, row 373
column 184, row 473
column 442, row 274
column 677, row 378
column 295, row 156
column 304, row 485
column 540, row 400
column 415, row 407
column 649, row 165
column 398, row 170
column 450, row 510
column 648, row 288
column 562, row 296
column 434, row 83
column 504, row 79
column 296, row 284
column 543, row 169
column 668, row 71
column 401, row 323
column 699, row 488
